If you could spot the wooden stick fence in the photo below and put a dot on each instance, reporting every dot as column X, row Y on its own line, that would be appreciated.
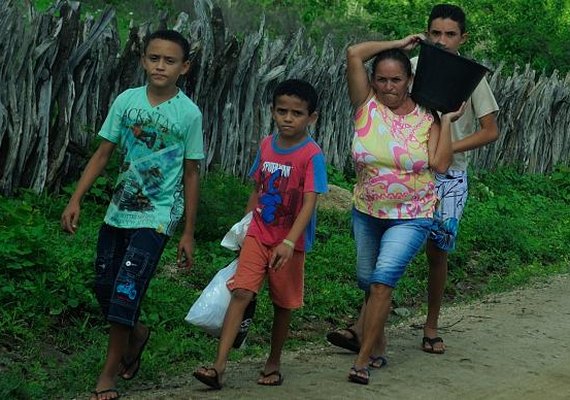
column 59, row 75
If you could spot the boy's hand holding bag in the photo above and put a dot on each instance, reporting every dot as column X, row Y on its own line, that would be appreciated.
column 209, row 310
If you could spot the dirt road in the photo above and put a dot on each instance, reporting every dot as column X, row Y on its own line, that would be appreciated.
column 509, row 346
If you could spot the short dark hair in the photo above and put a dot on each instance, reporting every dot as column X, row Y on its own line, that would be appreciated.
column 172, row 36
column 396, row 55
column 450, row 11
column 298, row 88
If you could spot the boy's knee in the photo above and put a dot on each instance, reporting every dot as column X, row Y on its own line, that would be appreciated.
column 242, row 295
column 280, row 308
column 380, row 290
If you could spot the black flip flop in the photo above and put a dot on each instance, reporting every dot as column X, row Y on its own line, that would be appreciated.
column 377, row 362
column 212, row 381
column 354, row 377
column 278, row 382
column 338, row 339
column 431, row 342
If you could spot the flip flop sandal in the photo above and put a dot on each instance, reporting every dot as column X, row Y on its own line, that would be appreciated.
column 278, row 382
column 431, row 342
column 212, row 381
column 336, row 338
column 354, row 377
column 377, row 362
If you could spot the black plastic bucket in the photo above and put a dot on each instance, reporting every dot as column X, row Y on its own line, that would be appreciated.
column 444, row 80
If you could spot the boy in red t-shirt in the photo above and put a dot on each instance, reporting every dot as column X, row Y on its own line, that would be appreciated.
column 289, row 171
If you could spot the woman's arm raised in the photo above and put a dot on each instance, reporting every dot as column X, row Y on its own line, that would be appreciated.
column 359, row 88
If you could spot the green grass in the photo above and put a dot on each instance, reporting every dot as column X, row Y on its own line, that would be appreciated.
column 515, row 229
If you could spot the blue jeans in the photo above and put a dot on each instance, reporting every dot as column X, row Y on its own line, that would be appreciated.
column 126, row 261
column 385, row 247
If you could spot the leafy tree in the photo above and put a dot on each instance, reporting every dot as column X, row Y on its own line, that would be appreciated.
column 522, row 31
column 398, row 18
column 516, row 32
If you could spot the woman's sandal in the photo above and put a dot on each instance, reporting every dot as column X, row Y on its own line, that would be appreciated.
column 356, row 377
column 377, row 362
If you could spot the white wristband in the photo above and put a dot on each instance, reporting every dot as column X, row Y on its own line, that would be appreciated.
column 289, row 243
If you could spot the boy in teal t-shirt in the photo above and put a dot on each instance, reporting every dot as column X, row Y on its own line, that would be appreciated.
column 159, row 132
column 155, row 142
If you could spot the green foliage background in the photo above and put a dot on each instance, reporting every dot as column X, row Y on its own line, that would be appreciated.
column 515, row 32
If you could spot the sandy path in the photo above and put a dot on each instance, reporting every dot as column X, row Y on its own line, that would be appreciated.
column 509, row 346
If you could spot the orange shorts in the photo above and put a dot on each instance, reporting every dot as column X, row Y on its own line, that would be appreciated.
column 285, row 284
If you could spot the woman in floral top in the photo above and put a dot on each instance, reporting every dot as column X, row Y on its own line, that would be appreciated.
column 397, row 143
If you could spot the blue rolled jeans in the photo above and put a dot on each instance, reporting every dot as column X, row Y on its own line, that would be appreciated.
column 125, row 263
column 385, row 247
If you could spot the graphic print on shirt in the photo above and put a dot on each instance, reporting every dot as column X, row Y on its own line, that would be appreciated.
column 277, row 204
column 271, row 199
column 154, row 145
column 391, row 162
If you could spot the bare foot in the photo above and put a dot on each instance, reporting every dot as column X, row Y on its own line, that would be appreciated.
column 105, row 390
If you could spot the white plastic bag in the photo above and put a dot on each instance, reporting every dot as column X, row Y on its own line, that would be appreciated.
column 209, row 310
column 234, row 238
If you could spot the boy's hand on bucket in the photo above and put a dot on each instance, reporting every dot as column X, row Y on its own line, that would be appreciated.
column 455, row 115
column 411, row 41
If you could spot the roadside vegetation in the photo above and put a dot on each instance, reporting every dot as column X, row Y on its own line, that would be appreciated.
column 52, row 338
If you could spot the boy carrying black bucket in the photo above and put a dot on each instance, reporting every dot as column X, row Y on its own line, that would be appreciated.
column 446, row 28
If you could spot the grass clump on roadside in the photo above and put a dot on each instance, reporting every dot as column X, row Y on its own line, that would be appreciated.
column 512, row 224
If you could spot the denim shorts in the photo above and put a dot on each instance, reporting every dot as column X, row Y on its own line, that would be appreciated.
column 385, row 247
column 126, row 261
column 451, row 190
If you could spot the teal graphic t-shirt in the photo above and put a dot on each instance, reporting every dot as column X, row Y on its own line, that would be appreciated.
column 154, row 142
